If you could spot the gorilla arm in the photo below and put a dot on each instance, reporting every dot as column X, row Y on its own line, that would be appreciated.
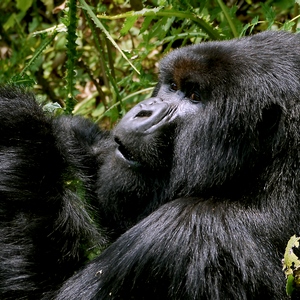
column 44, row 221
column 187, row 249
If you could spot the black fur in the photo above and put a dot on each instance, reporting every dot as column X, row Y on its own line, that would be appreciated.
column 196, row 189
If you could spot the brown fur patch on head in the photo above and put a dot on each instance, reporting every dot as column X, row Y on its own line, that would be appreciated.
column 203, row 67
column 185, row 69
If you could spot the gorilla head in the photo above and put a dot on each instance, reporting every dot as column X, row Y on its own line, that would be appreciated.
column 214, row 114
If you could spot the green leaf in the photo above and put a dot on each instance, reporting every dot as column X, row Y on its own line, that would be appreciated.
column 22, row 80
column 112, row 113
column 289, row 285
column 99, row 111
column 250, row 25
column 269, row 14
column 228, row 17
column 146, row 23
column 128, row 24
column 288, row 25
column 51, row 108
column 32, row 26
column 160, row 28
column 23, row 5
column 49, row 4
column 10, row 22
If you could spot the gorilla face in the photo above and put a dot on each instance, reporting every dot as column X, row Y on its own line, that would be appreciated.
column 213, row 112
column 147, row 131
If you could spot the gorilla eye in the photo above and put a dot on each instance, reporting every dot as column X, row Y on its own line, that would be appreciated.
column 195, row 97
column 173, row 86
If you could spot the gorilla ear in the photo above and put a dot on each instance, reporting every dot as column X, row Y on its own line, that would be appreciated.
column 270, row 120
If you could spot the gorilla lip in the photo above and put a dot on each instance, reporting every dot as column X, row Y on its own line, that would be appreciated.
column 123, row 153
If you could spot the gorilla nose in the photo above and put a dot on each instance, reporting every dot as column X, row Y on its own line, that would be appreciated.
column 144, row 117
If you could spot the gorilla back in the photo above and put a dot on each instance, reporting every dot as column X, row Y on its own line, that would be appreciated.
column 196, row 189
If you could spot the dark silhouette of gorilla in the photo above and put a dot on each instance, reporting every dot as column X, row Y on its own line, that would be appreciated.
column 196, row 189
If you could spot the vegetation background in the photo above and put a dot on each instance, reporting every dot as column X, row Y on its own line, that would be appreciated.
column 98, row 58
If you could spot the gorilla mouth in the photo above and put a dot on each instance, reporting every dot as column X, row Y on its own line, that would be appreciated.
column 125, row 154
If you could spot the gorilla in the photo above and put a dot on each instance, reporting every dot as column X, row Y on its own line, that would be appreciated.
column 193, row 195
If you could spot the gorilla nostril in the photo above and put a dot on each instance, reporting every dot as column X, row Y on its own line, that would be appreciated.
column 143, row 114
column 117, row 140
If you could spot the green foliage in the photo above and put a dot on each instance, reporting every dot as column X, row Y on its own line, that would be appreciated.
column 98, row 59
column 291, row 266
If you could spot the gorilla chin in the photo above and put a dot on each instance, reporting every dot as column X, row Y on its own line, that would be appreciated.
column 193, row 195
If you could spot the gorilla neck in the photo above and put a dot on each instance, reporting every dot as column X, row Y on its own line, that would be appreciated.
column 226, row 183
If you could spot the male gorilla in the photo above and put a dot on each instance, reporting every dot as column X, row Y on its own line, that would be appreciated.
column 196, row 189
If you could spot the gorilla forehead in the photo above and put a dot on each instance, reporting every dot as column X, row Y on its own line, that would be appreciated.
column 196, row 63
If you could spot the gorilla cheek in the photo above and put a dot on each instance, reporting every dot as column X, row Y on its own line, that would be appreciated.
column 145, row 133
